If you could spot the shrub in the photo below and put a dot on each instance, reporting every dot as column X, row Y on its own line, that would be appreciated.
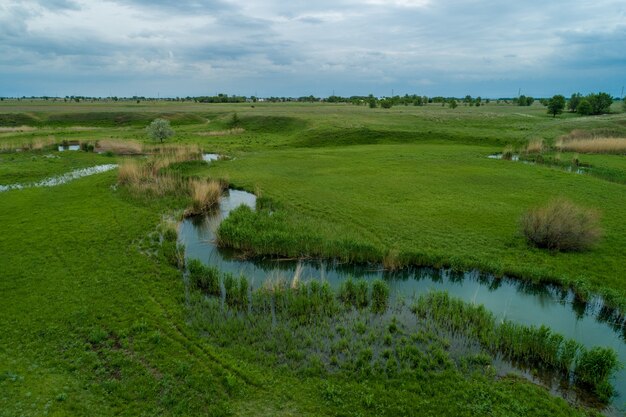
column 561, row 225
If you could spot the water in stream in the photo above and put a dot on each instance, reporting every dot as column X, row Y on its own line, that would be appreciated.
column 60, row 179
column 506, row 298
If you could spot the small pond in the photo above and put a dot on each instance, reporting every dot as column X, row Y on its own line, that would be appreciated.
column 589, row 323
column 62, row 148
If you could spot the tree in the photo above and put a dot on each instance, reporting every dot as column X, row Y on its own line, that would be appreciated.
column 584, row 107
column 574, row 101
column 452, row 104
column 600, row 103
column 556, row 105
column 160, row 130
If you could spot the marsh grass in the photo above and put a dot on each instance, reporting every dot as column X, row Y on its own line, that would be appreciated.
column 535, row 146
column 153, row 177
column 292, row 320
column 30, row 144
column 594, row 145
column 530, row 345
column 205, row 196
column 598, row 141
column 119, row 147
column 561, row 225
column 508, row 152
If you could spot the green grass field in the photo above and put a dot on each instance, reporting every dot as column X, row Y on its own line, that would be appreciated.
column 92, row 322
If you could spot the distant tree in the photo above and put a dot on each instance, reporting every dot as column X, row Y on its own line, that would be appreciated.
column 584, row 108
column 624, row 104
column 386, row 103
column 574, row 101
column 372, row 103
column 452, row 104
column 524, row 100
column 160, row 130
column 556, row 105
column 600, row 103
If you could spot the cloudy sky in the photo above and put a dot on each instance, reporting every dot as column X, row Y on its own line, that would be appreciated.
column 300, row 47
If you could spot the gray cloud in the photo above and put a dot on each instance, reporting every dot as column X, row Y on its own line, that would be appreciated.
column 302, row 47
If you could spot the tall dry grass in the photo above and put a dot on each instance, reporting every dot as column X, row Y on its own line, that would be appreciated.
column 593, row 145
column 561, row 225
column 31, row 144
column 119, row 147
column 535, row 146
column 149, row 177
column 592, row 141
column 205, row 196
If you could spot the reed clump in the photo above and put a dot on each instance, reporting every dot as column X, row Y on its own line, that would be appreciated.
column 592, row 141
column 508, row 152
column 152, row 177
column 561, row 225
column 205, row 196
column 612, row 145
column 534, row 346
column 119, row 147
column 535, row 146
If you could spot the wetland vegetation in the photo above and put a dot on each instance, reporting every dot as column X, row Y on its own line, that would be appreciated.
column 102, row 314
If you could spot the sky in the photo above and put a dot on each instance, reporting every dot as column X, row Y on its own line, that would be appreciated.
column 178, row 48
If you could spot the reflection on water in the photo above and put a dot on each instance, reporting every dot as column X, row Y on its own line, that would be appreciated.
column 591, row 323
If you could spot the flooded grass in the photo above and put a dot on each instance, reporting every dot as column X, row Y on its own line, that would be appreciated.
column 533, row 346
column 357, row 331
column 61, row 179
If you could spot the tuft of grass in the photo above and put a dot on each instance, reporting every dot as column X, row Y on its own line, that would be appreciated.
column 205, row 196
column 508, row 152
column 561, row 225
column 535, row 146
column 380, row 296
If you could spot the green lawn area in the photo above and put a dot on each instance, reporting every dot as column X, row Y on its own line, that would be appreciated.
column 92, row 323
column 440, row 202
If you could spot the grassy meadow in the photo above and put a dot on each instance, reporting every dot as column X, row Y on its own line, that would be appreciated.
column 96, row 319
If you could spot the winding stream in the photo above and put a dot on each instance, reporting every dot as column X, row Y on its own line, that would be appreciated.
column 588, row 323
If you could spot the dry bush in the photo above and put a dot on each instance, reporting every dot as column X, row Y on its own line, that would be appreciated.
column 535, row 146
column 561, row 225
column 119, row 147
column 205, row 195
column 129, row 172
